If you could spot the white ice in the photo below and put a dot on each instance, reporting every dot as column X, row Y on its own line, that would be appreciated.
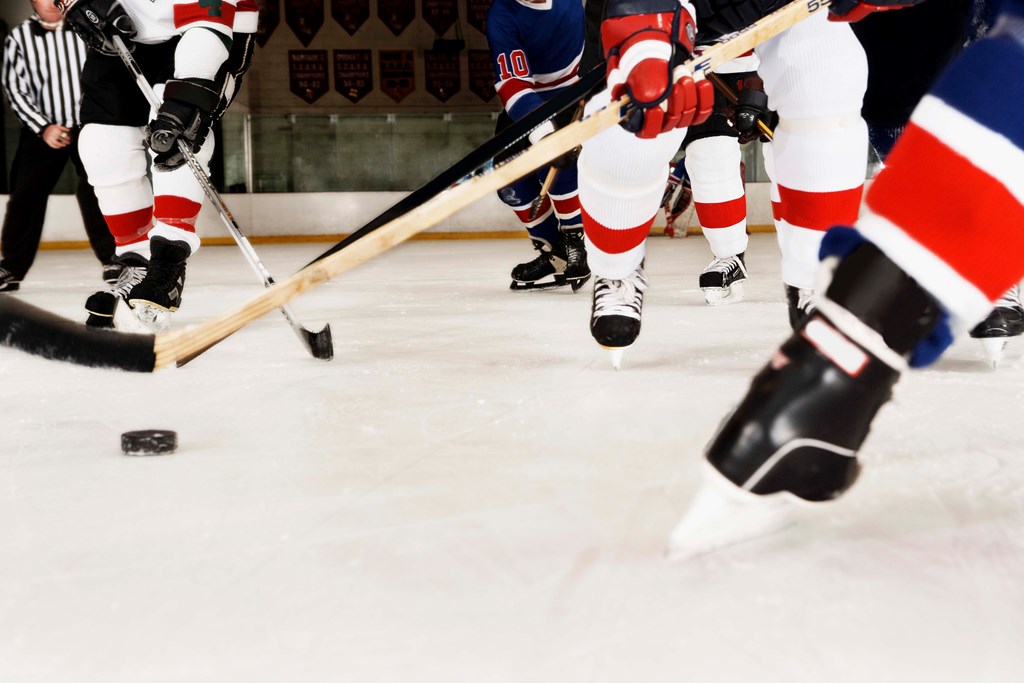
column 469, row 492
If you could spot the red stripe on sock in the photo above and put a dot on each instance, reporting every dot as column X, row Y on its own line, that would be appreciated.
column 963, row 215
column 820, row 210
column 568, row 205
column 179, row 212
column 721, row 214
column 777, row 211
column 131, row 227
column 615, row 241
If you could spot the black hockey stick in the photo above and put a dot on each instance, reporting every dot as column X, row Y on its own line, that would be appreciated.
column 319, row 344
column 478, row 157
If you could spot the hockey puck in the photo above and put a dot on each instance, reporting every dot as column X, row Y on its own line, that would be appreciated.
column 149, row 442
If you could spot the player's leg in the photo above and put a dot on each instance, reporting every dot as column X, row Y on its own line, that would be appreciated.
column 565, row 200
column 547, row 269
column 114, row 158
column 177, row 200
column 34, row 173
column 806, row 415
column 713, row 164
column 815, row 75
column 100, row 239
column 621, row 180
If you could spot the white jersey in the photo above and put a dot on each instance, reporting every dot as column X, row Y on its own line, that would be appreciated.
column 160, row 21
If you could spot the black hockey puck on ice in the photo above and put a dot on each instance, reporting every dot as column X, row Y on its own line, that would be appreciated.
column 149, row 442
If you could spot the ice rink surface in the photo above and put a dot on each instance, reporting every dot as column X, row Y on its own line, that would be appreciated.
column 469, row 492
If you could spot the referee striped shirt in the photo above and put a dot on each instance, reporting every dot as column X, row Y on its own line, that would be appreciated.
column 41, row 75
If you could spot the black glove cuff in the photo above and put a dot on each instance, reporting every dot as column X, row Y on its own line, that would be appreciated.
column 196, row 92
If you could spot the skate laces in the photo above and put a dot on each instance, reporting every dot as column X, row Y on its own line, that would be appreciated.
column 5, row 274
column 620, row 297
column 725, row 265
column 805, row 299
column 130, row 276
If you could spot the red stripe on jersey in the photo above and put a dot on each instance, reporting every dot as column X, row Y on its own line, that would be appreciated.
column 185, row 15
column 130, row 227
column 247, row 6
column 961, row 214
column 179, row 212
column 721, row 214
column 545, row 85
column 510, row 88
column 615, row 241
column 820, row 210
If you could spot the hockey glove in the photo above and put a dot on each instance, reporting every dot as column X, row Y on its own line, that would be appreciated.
column 855, row 10
column 185, row 115
column 557, row 122
column 97, row 21
column 752, row 106
column 647, row 42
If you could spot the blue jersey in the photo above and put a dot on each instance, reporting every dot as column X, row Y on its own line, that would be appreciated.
column 536, row 49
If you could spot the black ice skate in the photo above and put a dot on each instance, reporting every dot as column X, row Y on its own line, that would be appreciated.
column 1006, row 320
column 801, row 303
column 101, row 306
column 795, row 436
column 576, row 272
column 545, row 271
column 159, row 294
column 617, row 308
column 112, row 272
column 9, row 282
column 722, row 281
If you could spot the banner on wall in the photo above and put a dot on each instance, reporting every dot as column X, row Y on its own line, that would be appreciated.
column 441, row 73
column 351, row 14
column 476, row 14
column 481, row 74
column 270, row 17
column 353, row 74
column 396, row 14
column 307, row 74
column 440, row 15
column 305, row 17
column 397, row 73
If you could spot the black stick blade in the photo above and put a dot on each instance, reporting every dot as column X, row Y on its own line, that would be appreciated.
column 31, row 329
column 320, row 344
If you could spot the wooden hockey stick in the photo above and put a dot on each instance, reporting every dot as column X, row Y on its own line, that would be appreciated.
column 319, row 344
column 549, row 179
column 30, row 329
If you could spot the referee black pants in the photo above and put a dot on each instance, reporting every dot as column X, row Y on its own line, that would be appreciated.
column 34, row 173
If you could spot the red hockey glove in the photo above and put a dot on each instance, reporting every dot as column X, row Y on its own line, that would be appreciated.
column 855, row 10
column 646, row 43
column 97, row 21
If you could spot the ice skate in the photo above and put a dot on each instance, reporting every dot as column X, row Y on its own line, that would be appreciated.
column 796, row 434
column 801, row 303
column 616, row 311
column 111, row 272
column 723, row 279
column 1006, row 320
column 722, row 515
column 545, row 271
column 102, row 306
column 9, row 282
column 159, row 293
column 576, row 272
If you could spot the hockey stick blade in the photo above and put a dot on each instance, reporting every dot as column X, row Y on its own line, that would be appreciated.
column 41, row 333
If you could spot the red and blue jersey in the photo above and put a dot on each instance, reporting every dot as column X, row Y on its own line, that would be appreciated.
column 536, row 49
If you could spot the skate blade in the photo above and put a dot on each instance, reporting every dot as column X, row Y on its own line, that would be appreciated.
column 577, row 283
column 719, row 296
column 153, row 319
column 994, row 347
column 723, row 515
column 518, row 286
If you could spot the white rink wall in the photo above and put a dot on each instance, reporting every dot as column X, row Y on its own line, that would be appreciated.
column 331, row 213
